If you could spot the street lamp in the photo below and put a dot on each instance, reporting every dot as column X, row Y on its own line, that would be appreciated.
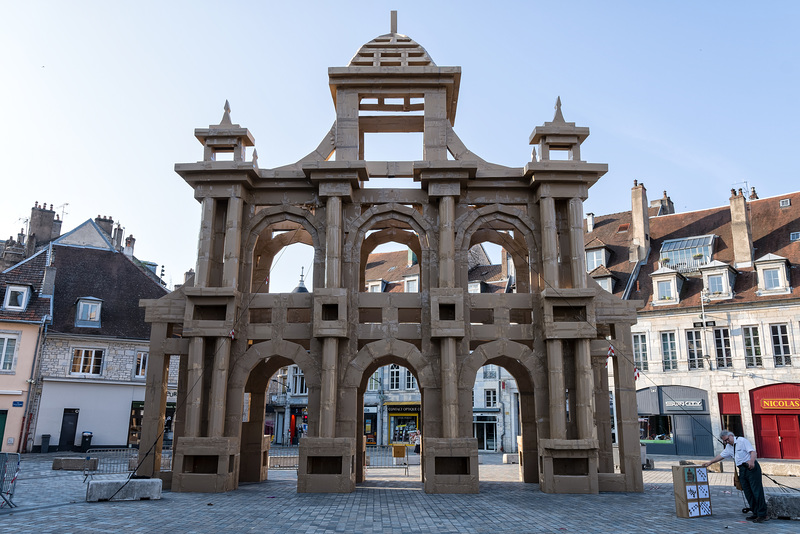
column 705, row 299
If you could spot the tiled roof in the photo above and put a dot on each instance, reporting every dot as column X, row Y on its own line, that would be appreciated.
column 390, row 266
column 770, row 228
column 29, row 273
column 110, row 276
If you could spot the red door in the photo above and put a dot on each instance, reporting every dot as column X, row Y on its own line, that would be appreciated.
column 769, row 438
column 789, row 430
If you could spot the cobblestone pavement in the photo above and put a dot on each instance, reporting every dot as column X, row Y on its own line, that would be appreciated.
column 389, row 501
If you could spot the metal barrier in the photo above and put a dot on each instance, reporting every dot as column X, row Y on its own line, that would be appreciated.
column 119, row 461
column 9, row 470
column 387, row 457
column 284, row 457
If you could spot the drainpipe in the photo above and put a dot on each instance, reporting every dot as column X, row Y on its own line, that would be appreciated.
column 500, row 390
column 31, row 383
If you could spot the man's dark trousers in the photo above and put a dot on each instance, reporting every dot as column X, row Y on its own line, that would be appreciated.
column 753, row 489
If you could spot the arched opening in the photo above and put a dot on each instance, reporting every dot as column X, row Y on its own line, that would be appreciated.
column 283, row 259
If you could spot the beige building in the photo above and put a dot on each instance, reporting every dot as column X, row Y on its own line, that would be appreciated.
column 232, row 335
column 718, row 338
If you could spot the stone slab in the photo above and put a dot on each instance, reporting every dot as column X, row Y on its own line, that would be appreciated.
column 511, row 458
column 134, row 490
column 74, row 464
column 783, row 505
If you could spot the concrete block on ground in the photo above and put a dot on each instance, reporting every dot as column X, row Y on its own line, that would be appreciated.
column 511, row 458
column 135, row 489
column 74, row 464
column 783, row 505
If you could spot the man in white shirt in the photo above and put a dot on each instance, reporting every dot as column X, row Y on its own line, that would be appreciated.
column 744, row 456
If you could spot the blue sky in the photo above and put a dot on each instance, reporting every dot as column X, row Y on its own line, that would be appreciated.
column 101, row 98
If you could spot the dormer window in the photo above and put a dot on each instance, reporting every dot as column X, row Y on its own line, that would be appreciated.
column 665, row 290
column 715, row 284
column 375, row 286
column 16, row 298
column 88, row 312
column 412, row 284
column 718, row 280
column 594, row 259
column 607, row 283
column 772, row 275
column 687, row 254
column 474, row 287
column 667, row 284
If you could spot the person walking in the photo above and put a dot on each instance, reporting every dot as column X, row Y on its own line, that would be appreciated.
column 743, row 455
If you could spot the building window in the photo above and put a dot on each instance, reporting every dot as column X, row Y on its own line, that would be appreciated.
column 722, row 343
column 394, row 377
column 89, row 313
column 374, row 287
column 715, row 285
column 772, row 279
column 694, row 346
column 752, row 346
column 490, row 396
column 141, row 365
column 8, row 346
column 604, row 283
column 16, row 298
column 298, row 381
column 669, row 352
column 412, row 285
column 374, row 383
column 640, row 351
column 87, row 362
column 685, row 255
column 411, row 382
column 664, row 290
column 474, row 287
column 786, row 202
column 594, row 259
column 780, row 344
column 490, row 372
column 794, row 236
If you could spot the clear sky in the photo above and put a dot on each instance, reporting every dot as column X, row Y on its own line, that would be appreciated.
column 101, row 98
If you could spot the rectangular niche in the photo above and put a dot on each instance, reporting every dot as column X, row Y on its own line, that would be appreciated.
column 451, row 465
column 324, row 465
column 210, row 312
column 569, row 314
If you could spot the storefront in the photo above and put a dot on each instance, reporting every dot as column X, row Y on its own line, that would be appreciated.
column 675, row 420
column 484, row 429
column 776, row 417
column 135, row 424
column 403, row 420
column 371, row 424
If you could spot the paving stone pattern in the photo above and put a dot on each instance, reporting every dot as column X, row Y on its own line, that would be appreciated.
column 389, row 501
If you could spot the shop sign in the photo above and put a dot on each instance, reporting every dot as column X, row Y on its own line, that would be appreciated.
column 694, row 404
column 16, row 404
column 402, row 408
column 780, row 404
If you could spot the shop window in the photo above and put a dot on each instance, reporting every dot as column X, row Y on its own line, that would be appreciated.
column 694, row 347
column 87, row 362
column 394, row 377
column 8, row 346
column 141, row 365
column 752, row 347
column 401, row 427
column 16, row 298
column 374, row 382
column 669, row 352
column 780, row 345
column 88, row 312
column 411, row 382
column 640, row 351
column 656, row 429
column 722, row 343
column 490, row 396
column 733, row 423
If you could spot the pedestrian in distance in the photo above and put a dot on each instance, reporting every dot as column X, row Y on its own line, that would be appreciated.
column 743, row 455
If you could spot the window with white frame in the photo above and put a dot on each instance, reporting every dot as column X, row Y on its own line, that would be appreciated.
column 141, row 365
column 794, row 236
column 664, row 290
column 88, row 313
column 489, row 372
column 490, row 398
column 8, row 347
column 411, row 382
column 87, row 362
column 772, row 279
column 694, row 348
column 594, row 259
column 716, row 285
column 16, row 298
column 640, row 351
column 752, row 346
column 669, row 351
column 412, row 285
column 298, row 381
column 474, row 287
column 394, row 377
column 604, row 283
column 374, row 383
column 374, row 287
column 780, row 344
column 722, row 344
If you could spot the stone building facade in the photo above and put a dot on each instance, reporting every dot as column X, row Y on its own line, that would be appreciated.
column 551, row 334
column 718, row 337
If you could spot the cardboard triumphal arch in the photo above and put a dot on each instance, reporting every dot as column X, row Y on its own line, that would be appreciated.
column 550, row 330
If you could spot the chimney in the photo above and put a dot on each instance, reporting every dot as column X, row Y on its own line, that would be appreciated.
column 590, row 222
column 664, row 205
column 503, row 263
column 412, row 258
column 640, row 224
column 188, row 276
column 753, row 194
column 129, row 242
column 117, row 238
column 105, row 223
column 41, row 224
column 740, row 230
column 56, row 228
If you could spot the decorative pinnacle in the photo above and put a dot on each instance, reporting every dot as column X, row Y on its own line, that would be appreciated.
column 558, row 116
column 255, row 158
column 226, row 117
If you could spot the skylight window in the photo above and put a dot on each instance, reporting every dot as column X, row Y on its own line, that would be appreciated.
column 685, row 255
